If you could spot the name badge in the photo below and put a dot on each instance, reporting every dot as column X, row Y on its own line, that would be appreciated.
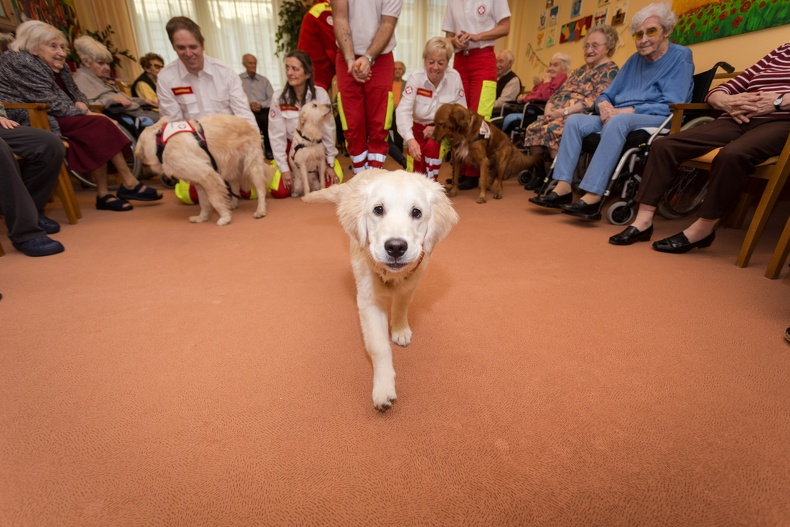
column 424, row 92
column 183, row 90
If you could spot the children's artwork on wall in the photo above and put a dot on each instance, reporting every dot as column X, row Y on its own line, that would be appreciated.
column 576, row 30
column 618, row 19
column 540, row 40
column 576, row 8
column 600, row 17
column 549, row 3
column 542, row 19
column 553, row 13
column 59, row 13
column 702, row 20
column 602, row 3
column 551, row 36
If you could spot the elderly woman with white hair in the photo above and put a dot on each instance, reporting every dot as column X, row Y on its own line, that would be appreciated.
column 658, row 74
column 555, row 75
column 34, row 70
column 93, row 79
column 426, row 90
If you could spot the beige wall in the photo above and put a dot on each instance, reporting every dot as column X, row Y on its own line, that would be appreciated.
column 96, row 14
column 740, row 51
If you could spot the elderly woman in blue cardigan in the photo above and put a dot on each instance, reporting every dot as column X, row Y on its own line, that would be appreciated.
column 658, row 74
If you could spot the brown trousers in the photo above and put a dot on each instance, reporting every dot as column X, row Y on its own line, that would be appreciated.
column 743, row 146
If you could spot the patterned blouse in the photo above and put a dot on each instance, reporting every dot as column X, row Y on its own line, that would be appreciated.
column 26, row 78
column 583, row 85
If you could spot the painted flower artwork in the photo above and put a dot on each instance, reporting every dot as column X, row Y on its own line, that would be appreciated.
column 703, row 20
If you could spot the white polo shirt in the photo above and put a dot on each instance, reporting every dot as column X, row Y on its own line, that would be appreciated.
column 282, row 123
column 474, row 16
column 364, row 18
column 420, row 99
column 215, row 89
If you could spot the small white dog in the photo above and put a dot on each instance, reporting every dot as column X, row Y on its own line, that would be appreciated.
column 394, row 220
column 307, row 157
column 234, row 145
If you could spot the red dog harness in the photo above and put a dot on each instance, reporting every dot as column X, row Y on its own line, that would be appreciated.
column 171, row 129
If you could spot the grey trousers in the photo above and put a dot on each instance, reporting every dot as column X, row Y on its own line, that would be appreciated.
column 25, row 191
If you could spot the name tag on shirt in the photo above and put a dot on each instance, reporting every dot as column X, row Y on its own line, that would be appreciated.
column 424, row 92
column 288, row 107
column 183, row 90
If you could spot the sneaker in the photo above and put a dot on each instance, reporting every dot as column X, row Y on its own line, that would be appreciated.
column 43, row 246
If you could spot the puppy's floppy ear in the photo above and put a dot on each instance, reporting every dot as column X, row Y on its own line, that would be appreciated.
column 441, row 219
column 302, row 117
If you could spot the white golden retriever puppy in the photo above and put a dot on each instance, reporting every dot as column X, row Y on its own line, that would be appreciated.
column 394, row 220
column 308, row 157
column 236, row 147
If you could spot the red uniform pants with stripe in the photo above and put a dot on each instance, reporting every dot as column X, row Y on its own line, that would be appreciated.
column 430, row 162
column 365, row 106
column 478, row 66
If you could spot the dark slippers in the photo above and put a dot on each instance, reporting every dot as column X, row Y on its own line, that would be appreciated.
column 110, row 202
column 137, row 193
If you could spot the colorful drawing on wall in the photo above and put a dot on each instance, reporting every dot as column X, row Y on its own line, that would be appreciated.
column 59, row 13
column 553, row 13
column 576, row 30
column 602, row 3
column 551, row 37
column 549, row 3
column 576, row 8
column 619, row 16
column 600, row 17
column 540, row 40
column 543, row 19
column 701, row 20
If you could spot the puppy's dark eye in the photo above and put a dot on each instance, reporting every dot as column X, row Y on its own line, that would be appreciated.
column 416, row 213
column 378, row 210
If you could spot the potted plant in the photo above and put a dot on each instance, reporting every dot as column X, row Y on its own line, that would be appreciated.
column 291, row 14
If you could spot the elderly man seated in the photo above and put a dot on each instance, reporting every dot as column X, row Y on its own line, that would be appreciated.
column 508, row 85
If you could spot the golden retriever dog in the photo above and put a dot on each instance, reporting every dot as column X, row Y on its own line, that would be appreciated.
column 307, row 157
column 394, row 221
column 474, row 142
column 235, row 146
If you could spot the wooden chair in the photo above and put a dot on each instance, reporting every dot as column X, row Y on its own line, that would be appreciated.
column 773, row 171
column 37, row 113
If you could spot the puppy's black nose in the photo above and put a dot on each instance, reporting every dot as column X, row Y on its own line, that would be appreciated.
column 396, row 247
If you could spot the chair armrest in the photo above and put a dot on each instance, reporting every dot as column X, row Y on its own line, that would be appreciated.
column 25, row 105
column 679, row 111
column 36, row 111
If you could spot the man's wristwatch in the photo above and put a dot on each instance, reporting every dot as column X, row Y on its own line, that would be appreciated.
column 778, row 102
column 370, row 59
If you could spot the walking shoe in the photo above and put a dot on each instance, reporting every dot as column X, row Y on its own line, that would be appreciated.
column 43, row 246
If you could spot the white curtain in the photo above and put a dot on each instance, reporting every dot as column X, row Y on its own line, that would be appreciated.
column 235, row 27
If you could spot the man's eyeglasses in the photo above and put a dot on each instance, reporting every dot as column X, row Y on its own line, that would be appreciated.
column 594, row 46
column 650, row 32
column 157, row 66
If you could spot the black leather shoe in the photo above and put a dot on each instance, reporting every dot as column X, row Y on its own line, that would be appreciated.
column 678, row 243
column 631, row 235
column 43, row 246
column 580, row 208
column 461, row 179
column 552, row 200
column 534, row 184
column 469, row 184
column 48, row 225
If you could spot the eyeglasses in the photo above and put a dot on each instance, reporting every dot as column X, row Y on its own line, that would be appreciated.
column 594, row 46
column 650, row 32
column 157, row 66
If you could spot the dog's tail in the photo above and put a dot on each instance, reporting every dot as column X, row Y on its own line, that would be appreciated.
column 333, row 194
column 520, row 162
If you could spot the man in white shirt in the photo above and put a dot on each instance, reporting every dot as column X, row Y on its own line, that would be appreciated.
column 197, row 85
column 365, row 32
column 259, row 92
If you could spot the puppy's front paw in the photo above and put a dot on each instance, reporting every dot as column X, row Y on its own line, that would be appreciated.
column 224, row 220
column 198, row 219
column 384, row 395
column 453, row 191
column 258, row 214
column 481, row 200
column 498, row 195
column 402, row 336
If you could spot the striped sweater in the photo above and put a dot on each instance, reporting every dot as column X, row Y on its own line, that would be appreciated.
column 770, row 74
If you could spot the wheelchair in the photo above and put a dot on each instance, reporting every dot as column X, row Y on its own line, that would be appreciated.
column 131, row 128
column 684, row 195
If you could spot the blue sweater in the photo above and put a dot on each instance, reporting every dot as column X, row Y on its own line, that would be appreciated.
column 649, row 87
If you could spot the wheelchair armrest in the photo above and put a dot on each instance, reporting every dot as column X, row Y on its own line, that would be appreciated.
column 679, row 111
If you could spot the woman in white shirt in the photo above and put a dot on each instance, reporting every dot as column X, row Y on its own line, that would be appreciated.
column 426, row 90
column 284, row 117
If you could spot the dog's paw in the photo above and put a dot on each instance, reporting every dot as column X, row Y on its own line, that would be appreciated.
column 452, row 192
column 401, row 337
column 481, row 200
column 198, row 219
column 234, row 204
column 258, row 214
column 383, row 396
column 224, row 220
column 498, row 195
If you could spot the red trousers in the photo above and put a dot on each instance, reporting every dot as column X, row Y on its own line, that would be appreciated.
column 430, row 162
column 478, row 66
column 364, row 111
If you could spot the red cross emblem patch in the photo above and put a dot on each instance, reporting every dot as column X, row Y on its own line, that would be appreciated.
column 481, row 10
column 409, row 90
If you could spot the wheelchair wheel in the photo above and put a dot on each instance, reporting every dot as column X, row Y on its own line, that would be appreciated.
column 620, row 213
column 524, row 177
column 134, row 164
column 685, row 194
